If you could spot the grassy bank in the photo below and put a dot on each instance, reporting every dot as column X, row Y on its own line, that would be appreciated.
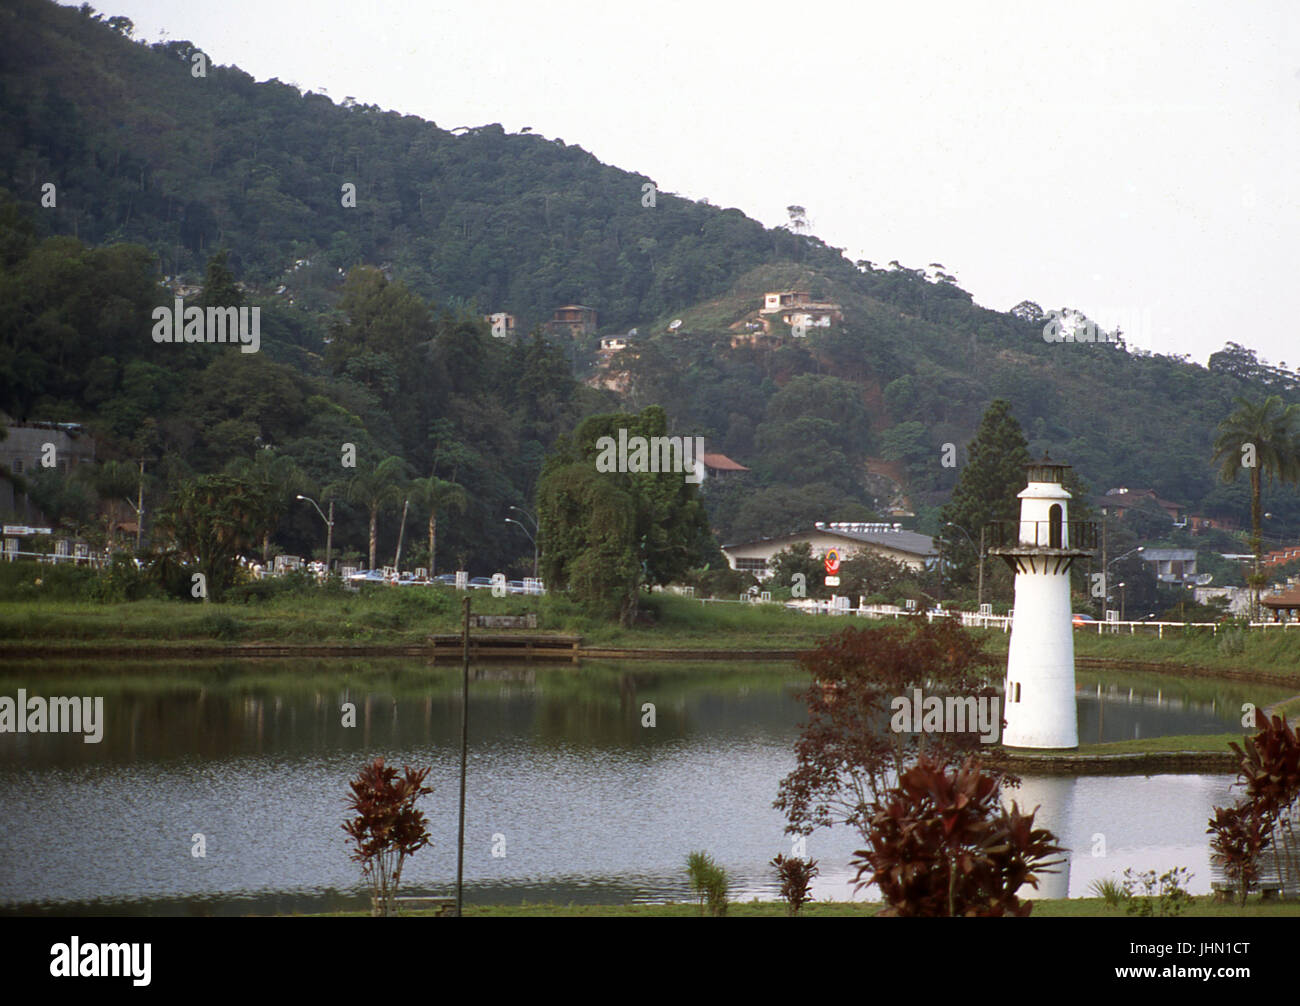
column 1205, row 907
column 398, row 617
column 1274, row 650
column 1159, row 745
column 405, row 616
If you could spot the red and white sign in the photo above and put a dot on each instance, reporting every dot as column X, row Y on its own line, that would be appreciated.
column 832, row 561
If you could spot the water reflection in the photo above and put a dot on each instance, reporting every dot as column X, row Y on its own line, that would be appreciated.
column 593, row 807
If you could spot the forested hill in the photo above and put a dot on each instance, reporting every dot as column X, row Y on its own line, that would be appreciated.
column 144, row 151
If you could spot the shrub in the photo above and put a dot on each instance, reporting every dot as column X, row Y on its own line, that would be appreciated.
column 709, row 881
column 220, row 626
column 943, row 844
column 388, row 827
column 1241, row 832
column 30, row 581
column 122, row 580
column 1232, row 642
column 1110, row 890
column 1171, row 898
column 796, row 880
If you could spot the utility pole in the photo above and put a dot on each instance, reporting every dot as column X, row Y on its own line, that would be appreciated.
column 980, row 594
column 940, row 590
column 464, row 749
column 139, row 509
column 1105, row 569
column 329, row 538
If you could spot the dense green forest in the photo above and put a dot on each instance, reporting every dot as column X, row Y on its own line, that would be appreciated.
column 372, row 330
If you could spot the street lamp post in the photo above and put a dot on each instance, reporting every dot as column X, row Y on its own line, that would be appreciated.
column 329, row 529
column 980, row 589
column 1106, row 578
column 536, row 533
column 511, row 520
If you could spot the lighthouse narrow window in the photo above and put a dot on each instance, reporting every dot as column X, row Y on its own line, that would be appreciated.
column 1054, row 523
column 1017, row 691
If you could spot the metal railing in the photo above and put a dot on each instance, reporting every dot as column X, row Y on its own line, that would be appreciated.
column 1072, row 534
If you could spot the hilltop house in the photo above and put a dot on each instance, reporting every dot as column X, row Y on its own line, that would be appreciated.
column 911, row 549
column 796, row 308
column 1281, row 556
column 573, row 319
column 1119, row 501
column 719, row 466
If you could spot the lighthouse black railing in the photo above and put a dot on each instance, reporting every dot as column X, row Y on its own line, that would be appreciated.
column 1072, row 534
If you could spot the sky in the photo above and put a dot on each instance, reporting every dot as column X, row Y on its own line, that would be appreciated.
column 1133, row 160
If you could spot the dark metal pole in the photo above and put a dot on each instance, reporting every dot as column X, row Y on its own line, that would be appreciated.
column 940, row 590
column 464, row 749
column 981, row 586
column 139, row 509
column 329, row 538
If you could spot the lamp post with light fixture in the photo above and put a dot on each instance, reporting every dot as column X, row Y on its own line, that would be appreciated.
column 329, row 529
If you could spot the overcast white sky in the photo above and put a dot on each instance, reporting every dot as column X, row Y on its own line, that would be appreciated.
column 1135, row 160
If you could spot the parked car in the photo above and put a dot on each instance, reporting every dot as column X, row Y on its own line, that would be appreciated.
column 516, row 587
column 446, row 578
column 1081, row 619
column 481, row 583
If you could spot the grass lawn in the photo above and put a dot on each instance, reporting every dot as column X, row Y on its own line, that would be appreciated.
column 1146, row 745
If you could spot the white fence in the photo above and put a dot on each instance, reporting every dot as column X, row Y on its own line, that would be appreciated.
column 979, row 620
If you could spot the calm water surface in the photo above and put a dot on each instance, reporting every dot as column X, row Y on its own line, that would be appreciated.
column 580, row 801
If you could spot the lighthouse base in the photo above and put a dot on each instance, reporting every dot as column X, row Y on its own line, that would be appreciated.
column 1040, row 707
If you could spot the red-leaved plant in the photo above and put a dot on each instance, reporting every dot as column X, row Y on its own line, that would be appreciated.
column 941, row 844
column 796, row 880
column 1270, row 772
column 1240, row 833
column 388, row 827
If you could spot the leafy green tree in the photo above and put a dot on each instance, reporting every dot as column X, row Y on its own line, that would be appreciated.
column 277, row 479
column 607, row 533
column 1263, row 437
column 219, row 289
column 209, row 520
column 436, row 494
column 373, row 488
column 991, row 479
column 795, row 562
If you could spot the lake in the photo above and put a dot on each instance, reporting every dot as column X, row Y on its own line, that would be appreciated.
column 578, row 801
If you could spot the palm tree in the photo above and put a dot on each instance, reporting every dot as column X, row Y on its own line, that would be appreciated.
column 277, row 479
column 1264, row 438
column 438, row 494
column 373, row 488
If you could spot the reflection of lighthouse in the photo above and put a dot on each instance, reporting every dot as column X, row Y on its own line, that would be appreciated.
column 1039, row 705
column 1053, row 796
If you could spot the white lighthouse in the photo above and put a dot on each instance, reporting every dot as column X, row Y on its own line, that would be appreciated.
column 1039, row 705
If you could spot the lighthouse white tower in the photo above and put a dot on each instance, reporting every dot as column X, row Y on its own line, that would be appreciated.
column 1040, row 548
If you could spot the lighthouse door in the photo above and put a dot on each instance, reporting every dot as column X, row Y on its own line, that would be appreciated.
column 1054, row 525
